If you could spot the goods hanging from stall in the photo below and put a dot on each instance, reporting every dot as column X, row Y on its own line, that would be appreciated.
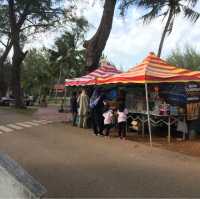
column 104, row 71
column 168, row 93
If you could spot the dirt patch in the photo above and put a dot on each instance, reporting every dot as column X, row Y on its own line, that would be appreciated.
column 188, row 147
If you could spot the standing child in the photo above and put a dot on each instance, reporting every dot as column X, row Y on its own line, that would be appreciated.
column 121, row 120
column 108, row 116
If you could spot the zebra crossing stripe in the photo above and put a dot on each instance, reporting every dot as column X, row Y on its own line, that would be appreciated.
column 37, row 121
column 5, row 129
column 24, row 124
column 21, row 125
column 42, row 121
column 13, row 126
column 32, row 123
column 46, row 122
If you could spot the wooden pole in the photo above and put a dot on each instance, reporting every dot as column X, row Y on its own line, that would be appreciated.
column 148, row 113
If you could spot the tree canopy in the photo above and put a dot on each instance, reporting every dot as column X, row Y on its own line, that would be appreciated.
column 44, row 68
column 22, row 20
column 188, row 58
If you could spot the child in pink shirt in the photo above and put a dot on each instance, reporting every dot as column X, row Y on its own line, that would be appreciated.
column 121, row 120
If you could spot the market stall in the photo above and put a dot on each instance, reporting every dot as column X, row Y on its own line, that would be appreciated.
column 104, row 71
column 172, row 95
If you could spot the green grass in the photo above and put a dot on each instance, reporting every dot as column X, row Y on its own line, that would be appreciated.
column 26, row 111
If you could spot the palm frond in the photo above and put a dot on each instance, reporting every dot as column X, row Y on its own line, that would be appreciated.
column 193, row 2
column 125, row 4
column 190, row 13
column 148, row 17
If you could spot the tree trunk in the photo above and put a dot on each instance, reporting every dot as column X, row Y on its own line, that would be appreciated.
column 3, row 86
column 164, row 33
column 97, row 43
column 18, row 57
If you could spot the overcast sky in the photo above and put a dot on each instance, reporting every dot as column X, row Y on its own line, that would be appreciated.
column 130, row 41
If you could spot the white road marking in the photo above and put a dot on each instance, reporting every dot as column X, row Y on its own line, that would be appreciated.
column 42, row 121
column 46, row 122
column 38, row 121
column 5, row 129
column 32, row 123
column 13, row 126
column 24, row 124
column 21, row 125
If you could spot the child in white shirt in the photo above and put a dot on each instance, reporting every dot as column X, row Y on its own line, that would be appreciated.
column 108, row 118
column 121, row 120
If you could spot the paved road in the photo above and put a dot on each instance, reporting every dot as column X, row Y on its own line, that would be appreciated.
column 71, row 162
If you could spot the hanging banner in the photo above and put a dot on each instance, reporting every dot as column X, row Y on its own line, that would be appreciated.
column 193, row 101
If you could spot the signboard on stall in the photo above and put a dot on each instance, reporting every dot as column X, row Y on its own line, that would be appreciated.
column 193, row 101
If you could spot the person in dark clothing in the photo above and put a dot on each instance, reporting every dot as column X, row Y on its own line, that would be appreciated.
column 74, row 107
column 96, row 106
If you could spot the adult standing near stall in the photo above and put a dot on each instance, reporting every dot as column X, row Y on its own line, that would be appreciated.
column 74, row 107
column 83, row 102
column 96, row 106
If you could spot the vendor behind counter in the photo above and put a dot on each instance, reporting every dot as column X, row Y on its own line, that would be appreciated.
column 115, row 96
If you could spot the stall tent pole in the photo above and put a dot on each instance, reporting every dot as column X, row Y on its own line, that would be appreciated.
column 148, row 113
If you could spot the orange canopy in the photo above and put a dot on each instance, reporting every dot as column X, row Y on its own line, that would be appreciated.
column 153, row 70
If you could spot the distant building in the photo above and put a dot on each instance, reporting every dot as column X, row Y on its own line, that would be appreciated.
column 59, row 88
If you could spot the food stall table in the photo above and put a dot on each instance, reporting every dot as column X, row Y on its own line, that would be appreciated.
column 157, row 119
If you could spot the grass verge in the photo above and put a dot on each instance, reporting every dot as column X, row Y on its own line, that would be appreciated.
column 25, row 111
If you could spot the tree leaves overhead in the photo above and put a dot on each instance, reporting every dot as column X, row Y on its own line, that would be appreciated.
column 68, row 56
column 35, row 73
column 188, row 58
column 42, row 68
column 190, row 14
column 37, row 16
column 158, row 8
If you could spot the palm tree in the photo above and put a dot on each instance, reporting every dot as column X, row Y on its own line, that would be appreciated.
column 170, row 9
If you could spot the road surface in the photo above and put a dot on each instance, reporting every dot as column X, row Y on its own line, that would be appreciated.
column 71, row 162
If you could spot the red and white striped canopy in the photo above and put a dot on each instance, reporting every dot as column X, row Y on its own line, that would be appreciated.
column 103, row 71
column 153, row 70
